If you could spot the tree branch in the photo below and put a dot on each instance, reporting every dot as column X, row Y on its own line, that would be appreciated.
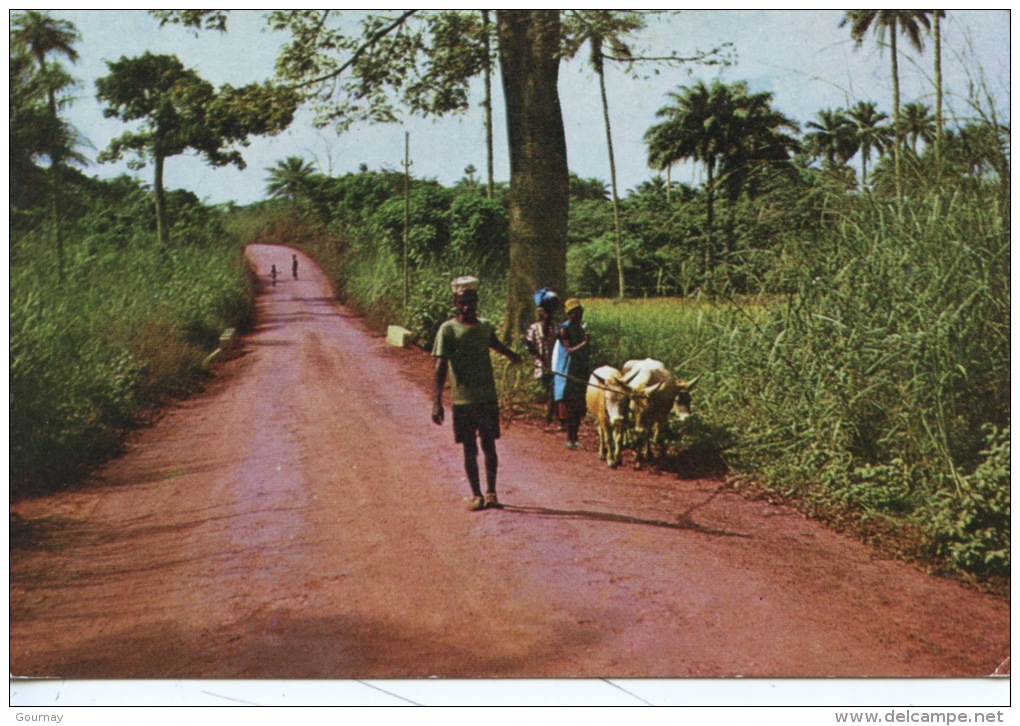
column 376, row 37
column 669, row 58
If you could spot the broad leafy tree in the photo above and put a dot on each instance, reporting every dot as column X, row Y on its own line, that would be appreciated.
column 178, row 111
column 529, row 51
column 424, row 61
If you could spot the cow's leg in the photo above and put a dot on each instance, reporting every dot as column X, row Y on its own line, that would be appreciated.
column 639, row 449
column 615, row 436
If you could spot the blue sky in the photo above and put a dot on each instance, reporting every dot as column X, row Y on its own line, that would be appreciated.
column 802, row 57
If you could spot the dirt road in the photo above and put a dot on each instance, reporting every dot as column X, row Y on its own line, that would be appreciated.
column 303, row 517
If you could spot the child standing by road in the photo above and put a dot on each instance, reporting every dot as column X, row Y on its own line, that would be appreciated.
column 570, row 368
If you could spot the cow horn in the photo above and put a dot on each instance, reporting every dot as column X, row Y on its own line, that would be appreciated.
column 693, row 381
column 598, row 378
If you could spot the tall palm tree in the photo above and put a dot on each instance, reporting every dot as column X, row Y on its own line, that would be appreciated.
column 734, row 133
column 918, row 124
column 758, row 148
column 894, row 22
column 599, row 29
column 289, row 179
column 833, row 137
column 692, row 129
column 44, row 36
column 871, row 134
column 34, row 132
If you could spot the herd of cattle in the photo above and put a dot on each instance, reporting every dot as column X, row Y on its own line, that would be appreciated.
column 633, row 406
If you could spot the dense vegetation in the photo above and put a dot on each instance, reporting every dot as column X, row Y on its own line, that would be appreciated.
column 128, row 325
column 843, row 288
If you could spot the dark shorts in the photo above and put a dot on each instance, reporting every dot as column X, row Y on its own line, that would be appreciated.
column 475, row 419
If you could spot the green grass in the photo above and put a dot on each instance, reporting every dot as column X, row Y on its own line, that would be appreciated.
column 119, row 334
column 689, row 336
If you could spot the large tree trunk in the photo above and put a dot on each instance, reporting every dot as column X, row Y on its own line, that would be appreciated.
column 529, row 54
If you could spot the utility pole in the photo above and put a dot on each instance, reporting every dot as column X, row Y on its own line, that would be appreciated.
column 407, row 208
column 488, row 106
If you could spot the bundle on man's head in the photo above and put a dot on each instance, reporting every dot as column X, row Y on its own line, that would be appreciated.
column 546, row 297
column 463, row 284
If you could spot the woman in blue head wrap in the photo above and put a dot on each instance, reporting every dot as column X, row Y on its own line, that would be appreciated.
column 539, row 340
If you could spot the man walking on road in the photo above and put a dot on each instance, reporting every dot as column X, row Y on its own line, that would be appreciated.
column 293, row 266
column 462, row 348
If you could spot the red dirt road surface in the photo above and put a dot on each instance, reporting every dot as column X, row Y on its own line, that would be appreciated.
column 304, row 518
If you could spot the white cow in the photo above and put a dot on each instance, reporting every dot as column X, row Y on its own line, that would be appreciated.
column 656, row 392
column 608, row 401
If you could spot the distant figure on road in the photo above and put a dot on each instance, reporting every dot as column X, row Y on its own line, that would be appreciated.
column 570, row 368
column 293, row 266
column 462, row 348
column 272, row 274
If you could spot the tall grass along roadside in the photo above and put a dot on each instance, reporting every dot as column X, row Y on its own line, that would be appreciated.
column 123, row 331
column 872, row 386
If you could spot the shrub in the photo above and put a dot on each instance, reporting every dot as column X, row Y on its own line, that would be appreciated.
column 970, row 525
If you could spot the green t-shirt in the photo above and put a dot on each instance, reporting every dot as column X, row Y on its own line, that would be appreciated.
column 466, row 347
